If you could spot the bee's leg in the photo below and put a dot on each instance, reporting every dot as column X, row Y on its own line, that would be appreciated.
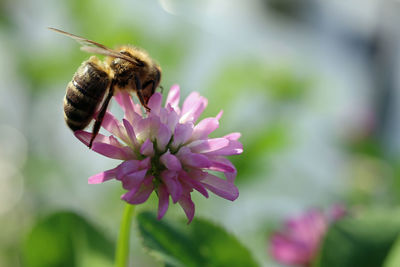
column 157, row 81
column 139, row 93
column 100, row 115
column 152, row 84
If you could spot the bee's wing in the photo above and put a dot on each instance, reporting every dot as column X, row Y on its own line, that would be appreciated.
column 96, row 48
column 108, row 52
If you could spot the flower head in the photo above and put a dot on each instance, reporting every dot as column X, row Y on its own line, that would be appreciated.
column 299, row 241
column 166, row 151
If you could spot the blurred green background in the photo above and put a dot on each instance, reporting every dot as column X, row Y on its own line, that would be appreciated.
column 312, row 86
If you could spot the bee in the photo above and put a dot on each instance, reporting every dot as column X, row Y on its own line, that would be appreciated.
column 88, row 94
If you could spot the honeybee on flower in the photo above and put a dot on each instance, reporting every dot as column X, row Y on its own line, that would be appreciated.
column 166, row 152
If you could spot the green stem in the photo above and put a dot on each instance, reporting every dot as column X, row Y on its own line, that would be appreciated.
column 122, row 251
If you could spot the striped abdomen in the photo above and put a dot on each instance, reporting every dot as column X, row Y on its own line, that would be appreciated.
column 84, row 93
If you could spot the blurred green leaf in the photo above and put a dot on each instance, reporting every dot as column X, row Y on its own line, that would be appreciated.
column 66, row 239
column 172, row 245
column 362, row 241
column 269, row 139
column 37, row 167
column 393, row 260
column 284, row 85
column 41, row 70
column 292, row 10
column 368, row 145
column 200, row 243
column 6, row 19
column 219, row 247
column 396, row 180
column 257, row 148
column 252, row 76
column 234, row 78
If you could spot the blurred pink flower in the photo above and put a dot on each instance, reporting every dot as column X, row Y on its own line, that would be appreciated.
column 166, row 152
column 299, row 241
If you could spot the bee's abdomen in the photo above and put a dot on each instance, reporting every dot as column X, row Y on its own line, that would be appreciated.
column 84, row 93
